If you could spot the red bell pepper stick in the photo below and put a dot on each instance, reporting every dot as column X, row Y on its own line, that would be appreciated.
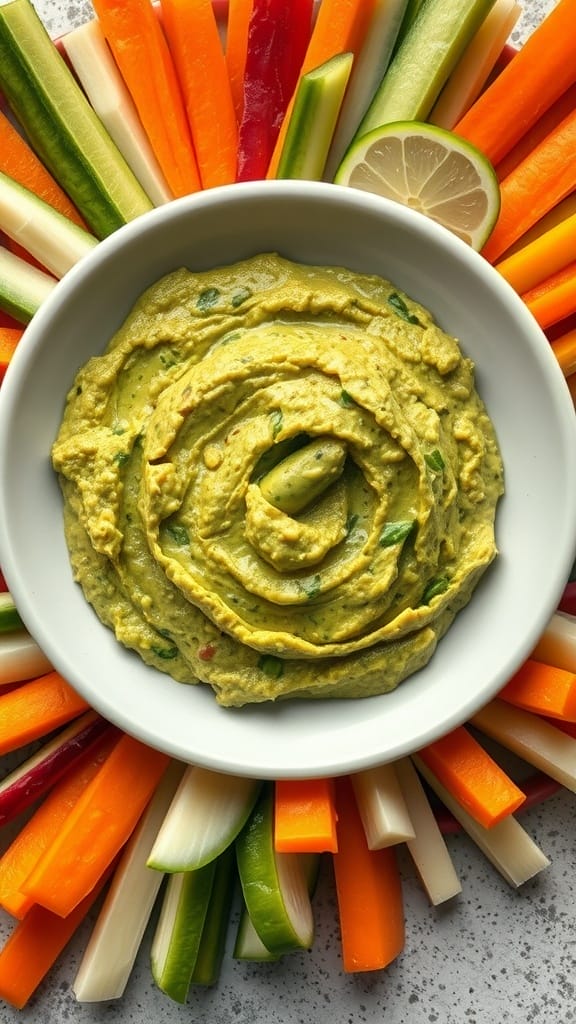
column 278, row 34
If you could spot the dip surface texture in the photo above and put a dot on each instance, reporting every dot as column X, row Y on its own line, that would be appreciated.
column 279, row 480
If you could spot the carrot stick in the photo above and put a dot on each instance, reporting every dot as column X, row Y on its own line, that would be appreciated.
column 538, row 74
column 555, row 298
column 544, row 689
column 369, row 892
column 473, row 778
column 340, row 27
column 9, row 338
column 564, row 349
column 304, row 816
column 194, row 41
column 20, row 162
column 35, row 709
column 35, row 945
column 141, row 52
column 97, row 827
column 239, row 12
column 549, row 120
column 547, row 254
column 42, row 828
column 533, row 188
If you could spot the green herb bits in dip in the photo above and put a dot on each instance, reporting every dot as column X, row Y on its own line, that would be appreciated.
column 279, row 480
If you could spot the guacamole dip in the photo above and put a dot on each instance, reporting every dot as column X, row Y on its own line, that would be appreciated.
column 279, row 480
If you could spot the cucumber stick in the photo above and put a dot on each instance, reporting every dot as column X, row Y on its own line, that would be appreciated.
column 213, row 939
column 248, row 945
column 54, row 240
column 9, row 617
column 178, row 933
column 313, row 119
column 23, row 287
column 206, row 815
column 274, row 885
column 62, row 126
column 423, row 61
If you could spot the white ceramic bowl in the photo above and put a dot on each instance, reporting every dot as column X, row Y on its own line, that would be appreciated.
column 517, row 376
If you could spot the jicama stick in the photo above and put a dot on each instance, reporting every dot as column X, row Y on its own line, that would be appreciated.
column 533, row 80
column 507, row 845
column 194, row 41
column 104, row 86
column 304, row 816
column 472, row 776
column 382, row 808
column 35, row 945
column 545, row 177
column 43, row 827
column 471, row 73
column 369, row 892
column 341, row 27
column 142, row 55
column 21, row 659
column 538, row 742
column 35, row 709
column 427, row 848
column 555, row 298
column 536, row 261
column 97, row 827
column 543, row 689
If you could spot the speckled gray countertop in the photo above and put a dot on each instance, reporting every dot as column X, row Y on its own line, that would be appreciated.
column 491, row 955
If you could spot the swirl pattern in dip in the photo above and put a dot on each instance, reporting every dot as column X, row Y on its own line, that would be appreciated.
column 279, row 480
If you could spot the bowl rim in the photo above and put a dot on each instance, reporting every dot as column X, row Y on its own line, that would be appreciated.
column 82, row 273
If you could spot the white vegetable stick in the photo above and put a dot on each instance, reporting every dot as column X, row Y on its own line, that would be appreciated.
column 21, row 658
column 557, row 645
column 470, row 74
column 382, row 807
column 532, row 738
column 367, row 71
column 506, row 845
column 104, row 86
column 428, row 848
column 115, row 940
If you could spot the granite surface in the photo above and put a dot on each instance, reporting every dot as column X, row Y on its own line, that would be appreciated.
column 491, row 955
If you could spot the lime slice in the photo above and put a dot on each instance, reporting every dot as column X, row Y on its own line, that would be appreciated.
column 430, row 169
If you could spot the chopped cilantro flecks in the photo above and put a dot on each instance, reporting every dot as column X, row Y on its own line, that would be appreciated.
column 207, row 299
column 239, row 297
column 437, row 586
column 351, row 522
column 166, row 653
column 179, row 534
column 121, row 458
column 395, row 532
column 311, row 587
column 277, row 420
column 346, row 399
column 434, row 461
column 400, row 307
column 271, row 666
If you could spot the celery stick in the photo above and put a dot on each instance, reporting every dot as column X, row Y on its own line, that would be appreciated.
column 62, row 126
column 427, row 54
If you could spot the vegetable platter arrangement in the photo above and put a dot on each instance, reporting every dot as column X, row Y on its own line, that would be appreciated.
column 148, row 102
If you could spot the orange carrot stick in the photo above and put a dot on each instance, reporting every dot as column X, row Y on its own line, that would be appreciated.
column 473, row 778
column 141, row 52
column 304, row 816
column 9, row 338
column 239, row 12
column 545, row 255
column 368, row 890
column 543, row 179
column 32, row 841
column 35, row 945
column 97, row 827
column 194, row 41
column 555, row 298
column 35, row 709
column 20, row 162
column 340, row 27
column 564, row 349
column 538, row 74
column 544, row 689
column 549, row 120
